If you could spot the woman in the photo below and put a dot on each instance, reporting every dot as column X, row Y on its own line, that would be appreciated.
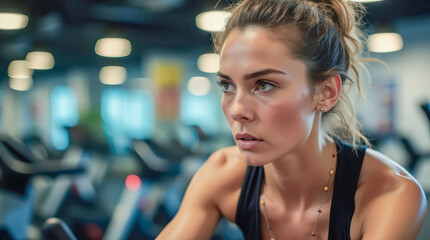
column 285, row 70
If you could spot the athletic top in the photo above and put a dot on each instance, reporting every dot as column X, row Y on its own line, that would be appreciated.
column 348, row 169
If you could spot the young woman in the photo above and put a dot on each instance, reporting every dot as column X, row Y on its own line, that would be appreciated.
column 286, row 66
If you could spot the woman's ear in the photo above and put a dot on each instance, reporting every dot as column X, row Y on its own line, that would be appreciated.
column 329, row 94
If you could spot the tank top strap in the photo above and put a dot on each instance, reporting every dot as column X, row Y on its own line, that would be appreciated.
column 348, row 168
column 248, row 213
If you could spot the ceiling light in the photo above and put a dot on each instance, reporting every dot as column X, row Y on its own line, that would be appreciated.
column 208, row 62
column 366, row 1
column 199, row 86
column 212, row 21
column 113, row 47
column 13, row 21
column 113, row 75
column 385, row 42
column 40, row 60
column 19, row 69
column 21, row 84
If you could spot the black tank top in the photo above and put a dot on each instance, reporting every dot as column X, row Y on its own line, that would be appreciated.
column 342, row 206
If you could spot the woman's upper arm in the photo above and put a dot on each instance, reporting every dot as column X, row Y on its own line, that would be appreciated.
column 397, row 214
column 198, row 214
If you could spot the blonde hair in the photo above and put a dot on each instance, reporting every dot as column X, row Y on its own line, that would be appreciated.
column 330, row 42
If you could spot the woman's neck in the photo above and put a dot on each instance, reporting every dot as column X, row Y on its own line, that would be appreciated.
column 298, row 178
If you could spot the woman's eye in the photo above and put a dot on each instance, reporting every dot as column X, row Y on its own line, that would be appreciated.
column 264, row 86
column 226, row 86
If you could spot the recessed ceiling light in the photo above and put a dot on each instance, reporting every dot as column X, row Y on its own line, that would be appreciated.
column 208, row 62
column 113, row 75
column 212, row 21
column 113, row 47
column 19, row 69
column 366, row 1
column 40, row 60
column 13, row 21
column 199, row 86
column 385, row 42
column 21, row 84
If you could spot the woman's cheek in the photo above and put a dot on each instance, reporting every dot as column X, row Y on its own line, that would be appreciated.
column 285, row 115
column 287, row 118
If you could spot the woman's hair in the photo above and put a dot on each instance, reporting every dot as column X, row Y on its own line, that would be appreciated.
column 329, row 41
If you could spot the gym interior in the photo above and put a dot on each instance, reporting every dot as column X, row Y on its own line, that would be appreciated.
column 108, row 108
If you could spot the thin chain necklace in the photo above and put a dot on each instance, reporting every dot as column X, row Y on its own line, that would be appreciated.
column 319, row 211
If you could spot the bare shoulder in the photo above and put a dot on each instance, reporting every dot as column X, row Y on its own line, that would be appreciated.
column 210, row 195
column 380, row 175
column 220, row 179
column 225, row 164
column 225, row 158
column 389, row 201
column 225, row 169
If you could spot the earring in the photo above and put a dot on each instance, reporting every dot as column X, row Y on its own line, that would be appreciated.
column 322, row 109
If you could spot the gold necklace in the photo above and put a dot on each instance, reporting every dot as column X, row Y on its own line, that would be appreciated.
column 319, row 210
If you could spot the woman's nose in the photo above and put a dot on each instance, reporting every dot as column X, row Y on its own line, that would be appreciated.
column 242, row 108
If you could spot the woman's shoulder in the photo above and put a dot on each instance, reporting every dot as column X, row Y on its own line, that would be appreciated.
column 225, row 157
column 380, row 172
column 221, row 172
column 225, row 160
column 210, row 195
column 387, row 196
column 221, row 178
column 224, row 170
column 227, row 166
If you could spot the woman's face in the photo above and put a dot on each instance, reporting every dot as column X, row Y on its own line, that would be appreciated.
column 267, row 99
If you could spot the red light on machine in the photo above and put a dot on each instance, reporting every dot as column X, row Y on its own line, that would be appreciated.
column 132, row 182
column 93, row 231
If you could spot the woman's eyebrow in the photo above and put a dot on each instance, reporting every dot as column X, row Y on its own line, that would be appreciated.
column 263, row 72
column 220, row 74
column 254, row 74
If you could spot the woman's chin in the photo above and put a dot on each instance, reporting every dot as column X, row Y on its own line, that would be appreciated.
column 253, row 159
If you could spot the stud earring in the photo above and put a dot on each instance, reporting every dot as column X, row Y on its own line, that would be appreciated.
column 322, row 109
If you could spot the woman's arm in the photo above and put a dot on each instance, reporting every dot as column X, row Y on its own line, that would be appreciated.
column 198, row 214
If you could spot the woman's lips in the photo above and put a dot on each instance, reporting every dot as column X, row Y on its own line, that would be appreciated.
column 246, row 141
column 248, row 144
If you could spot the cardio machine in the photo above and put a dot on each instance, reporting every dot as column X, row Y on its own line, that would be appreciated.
column 17, row 167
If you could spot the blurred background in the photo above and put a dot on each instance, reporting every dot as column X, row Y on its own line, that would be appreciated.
column 108, row 107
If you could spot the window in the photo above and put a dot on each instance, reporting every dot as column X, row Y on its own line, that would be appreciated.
column 127, row 115
column 64, row 113
column 200, row 110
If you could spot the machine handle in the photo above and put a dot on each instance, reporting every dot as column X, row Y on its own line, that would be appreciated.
column 57, row 229
column 13, row 161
